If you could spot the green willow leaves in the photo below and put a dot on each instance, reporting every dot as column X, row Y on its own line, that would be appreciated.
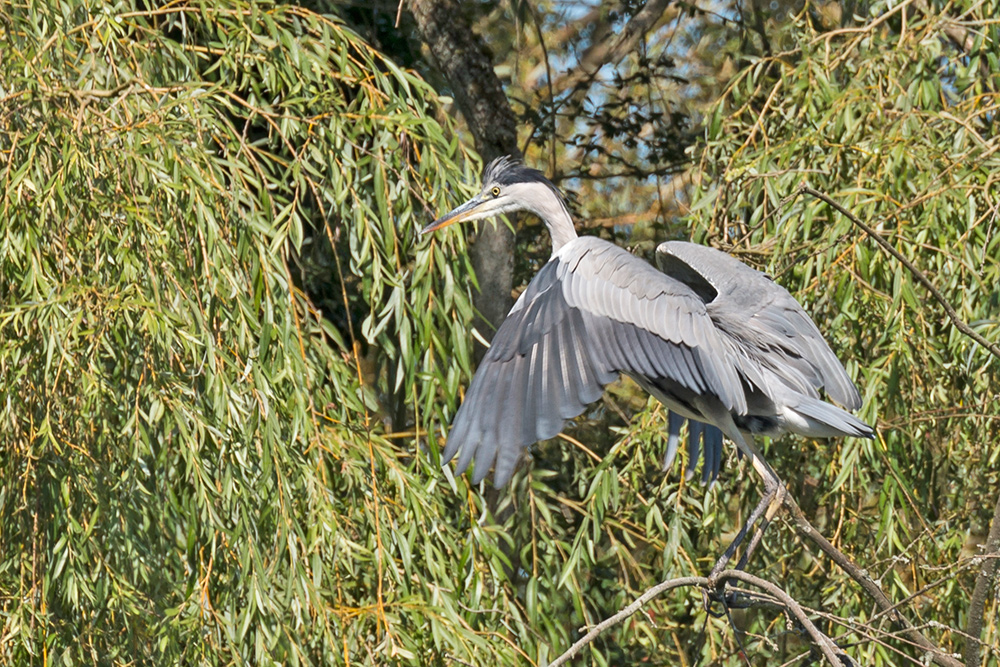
column 191, row 465
column 228, row 360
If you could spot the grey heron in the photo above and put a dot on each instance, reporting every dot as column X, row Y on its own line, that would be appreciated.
column 714, row 340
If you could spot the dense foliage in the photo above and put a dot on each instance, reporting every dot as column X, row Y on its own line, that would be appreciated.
column 228, row 361
column 192, row 464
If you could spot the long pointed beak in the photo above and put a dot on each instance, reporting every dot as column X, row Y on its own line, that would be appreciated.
column 458, row 215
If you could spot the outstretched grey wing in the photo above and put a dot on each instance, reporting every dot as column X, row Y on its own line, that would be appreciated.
column 747, row 306
column 592, row 312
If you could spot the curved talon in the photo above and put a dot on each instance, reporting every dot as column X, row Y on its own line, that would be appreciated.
column 714, row 594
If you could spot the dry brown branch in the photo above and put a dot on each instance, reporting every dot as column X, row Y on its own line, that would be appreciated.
column 993, row 544
column 833, row 654
column 984, row 582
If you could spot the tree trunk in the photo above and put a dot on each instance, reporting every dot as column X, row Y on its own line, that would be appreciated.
column 462, row 57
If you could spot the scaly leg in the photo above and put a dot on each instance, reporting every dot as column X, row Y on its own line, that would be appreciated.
column 762, row 507
column 770, row 503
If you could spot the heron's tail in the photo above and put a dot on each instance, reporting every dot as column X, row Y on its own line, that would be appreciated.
column 812, row 417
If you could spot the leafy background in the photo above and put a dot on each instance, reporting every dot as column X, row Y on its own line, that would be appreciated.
column 229, row 361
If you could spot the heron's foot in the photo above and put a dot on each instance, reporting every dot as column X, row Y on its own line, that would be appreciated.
column 816, row 656
column 760, row 517
column 719, row 601
column 715, row 593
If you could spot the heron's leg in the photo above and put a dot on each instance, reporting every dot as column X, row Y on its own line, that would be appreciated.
column 774, row 497
column 768, row 506
column 770, row 503
column 762, row 507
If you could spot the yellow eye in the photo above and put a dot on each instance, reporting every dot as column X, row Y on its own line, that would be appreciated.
column 495, row 191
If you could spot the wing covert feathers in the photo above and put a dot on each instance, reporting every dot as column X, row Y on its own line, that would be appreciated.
column 773, row 336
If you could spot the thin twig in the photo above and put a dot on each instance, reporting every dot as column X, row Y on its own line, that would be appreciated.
column 921, row 277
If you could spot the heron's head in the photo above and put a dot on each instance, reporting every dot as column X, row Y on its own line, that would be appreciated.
column 507, row 186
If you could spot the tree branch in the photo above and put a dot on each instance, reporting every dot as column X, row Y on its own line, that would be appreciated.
column 831, row 652
column 922, row 278
column 614, row 46
column 834, row 655
column 802, row 524
column 984, row 582
column 992, row 548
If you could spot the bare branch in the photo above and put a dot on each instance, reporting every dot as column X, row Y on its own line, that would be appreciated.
column 993, row 544
column 984, row 582
column 615, row 46
column 921, row 277
column 830, row 650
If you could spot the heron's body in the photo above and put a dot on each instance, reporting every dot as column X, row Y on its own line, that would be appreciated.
column 713, row 339
column 705, row 351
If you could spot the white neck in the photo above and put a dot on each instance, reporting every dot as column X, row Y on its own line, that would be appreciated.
column 550, row 207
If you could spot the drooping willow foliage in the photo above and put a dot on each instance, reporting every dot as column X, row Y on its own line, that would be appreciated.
column 193, row 467
column 228, row 361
